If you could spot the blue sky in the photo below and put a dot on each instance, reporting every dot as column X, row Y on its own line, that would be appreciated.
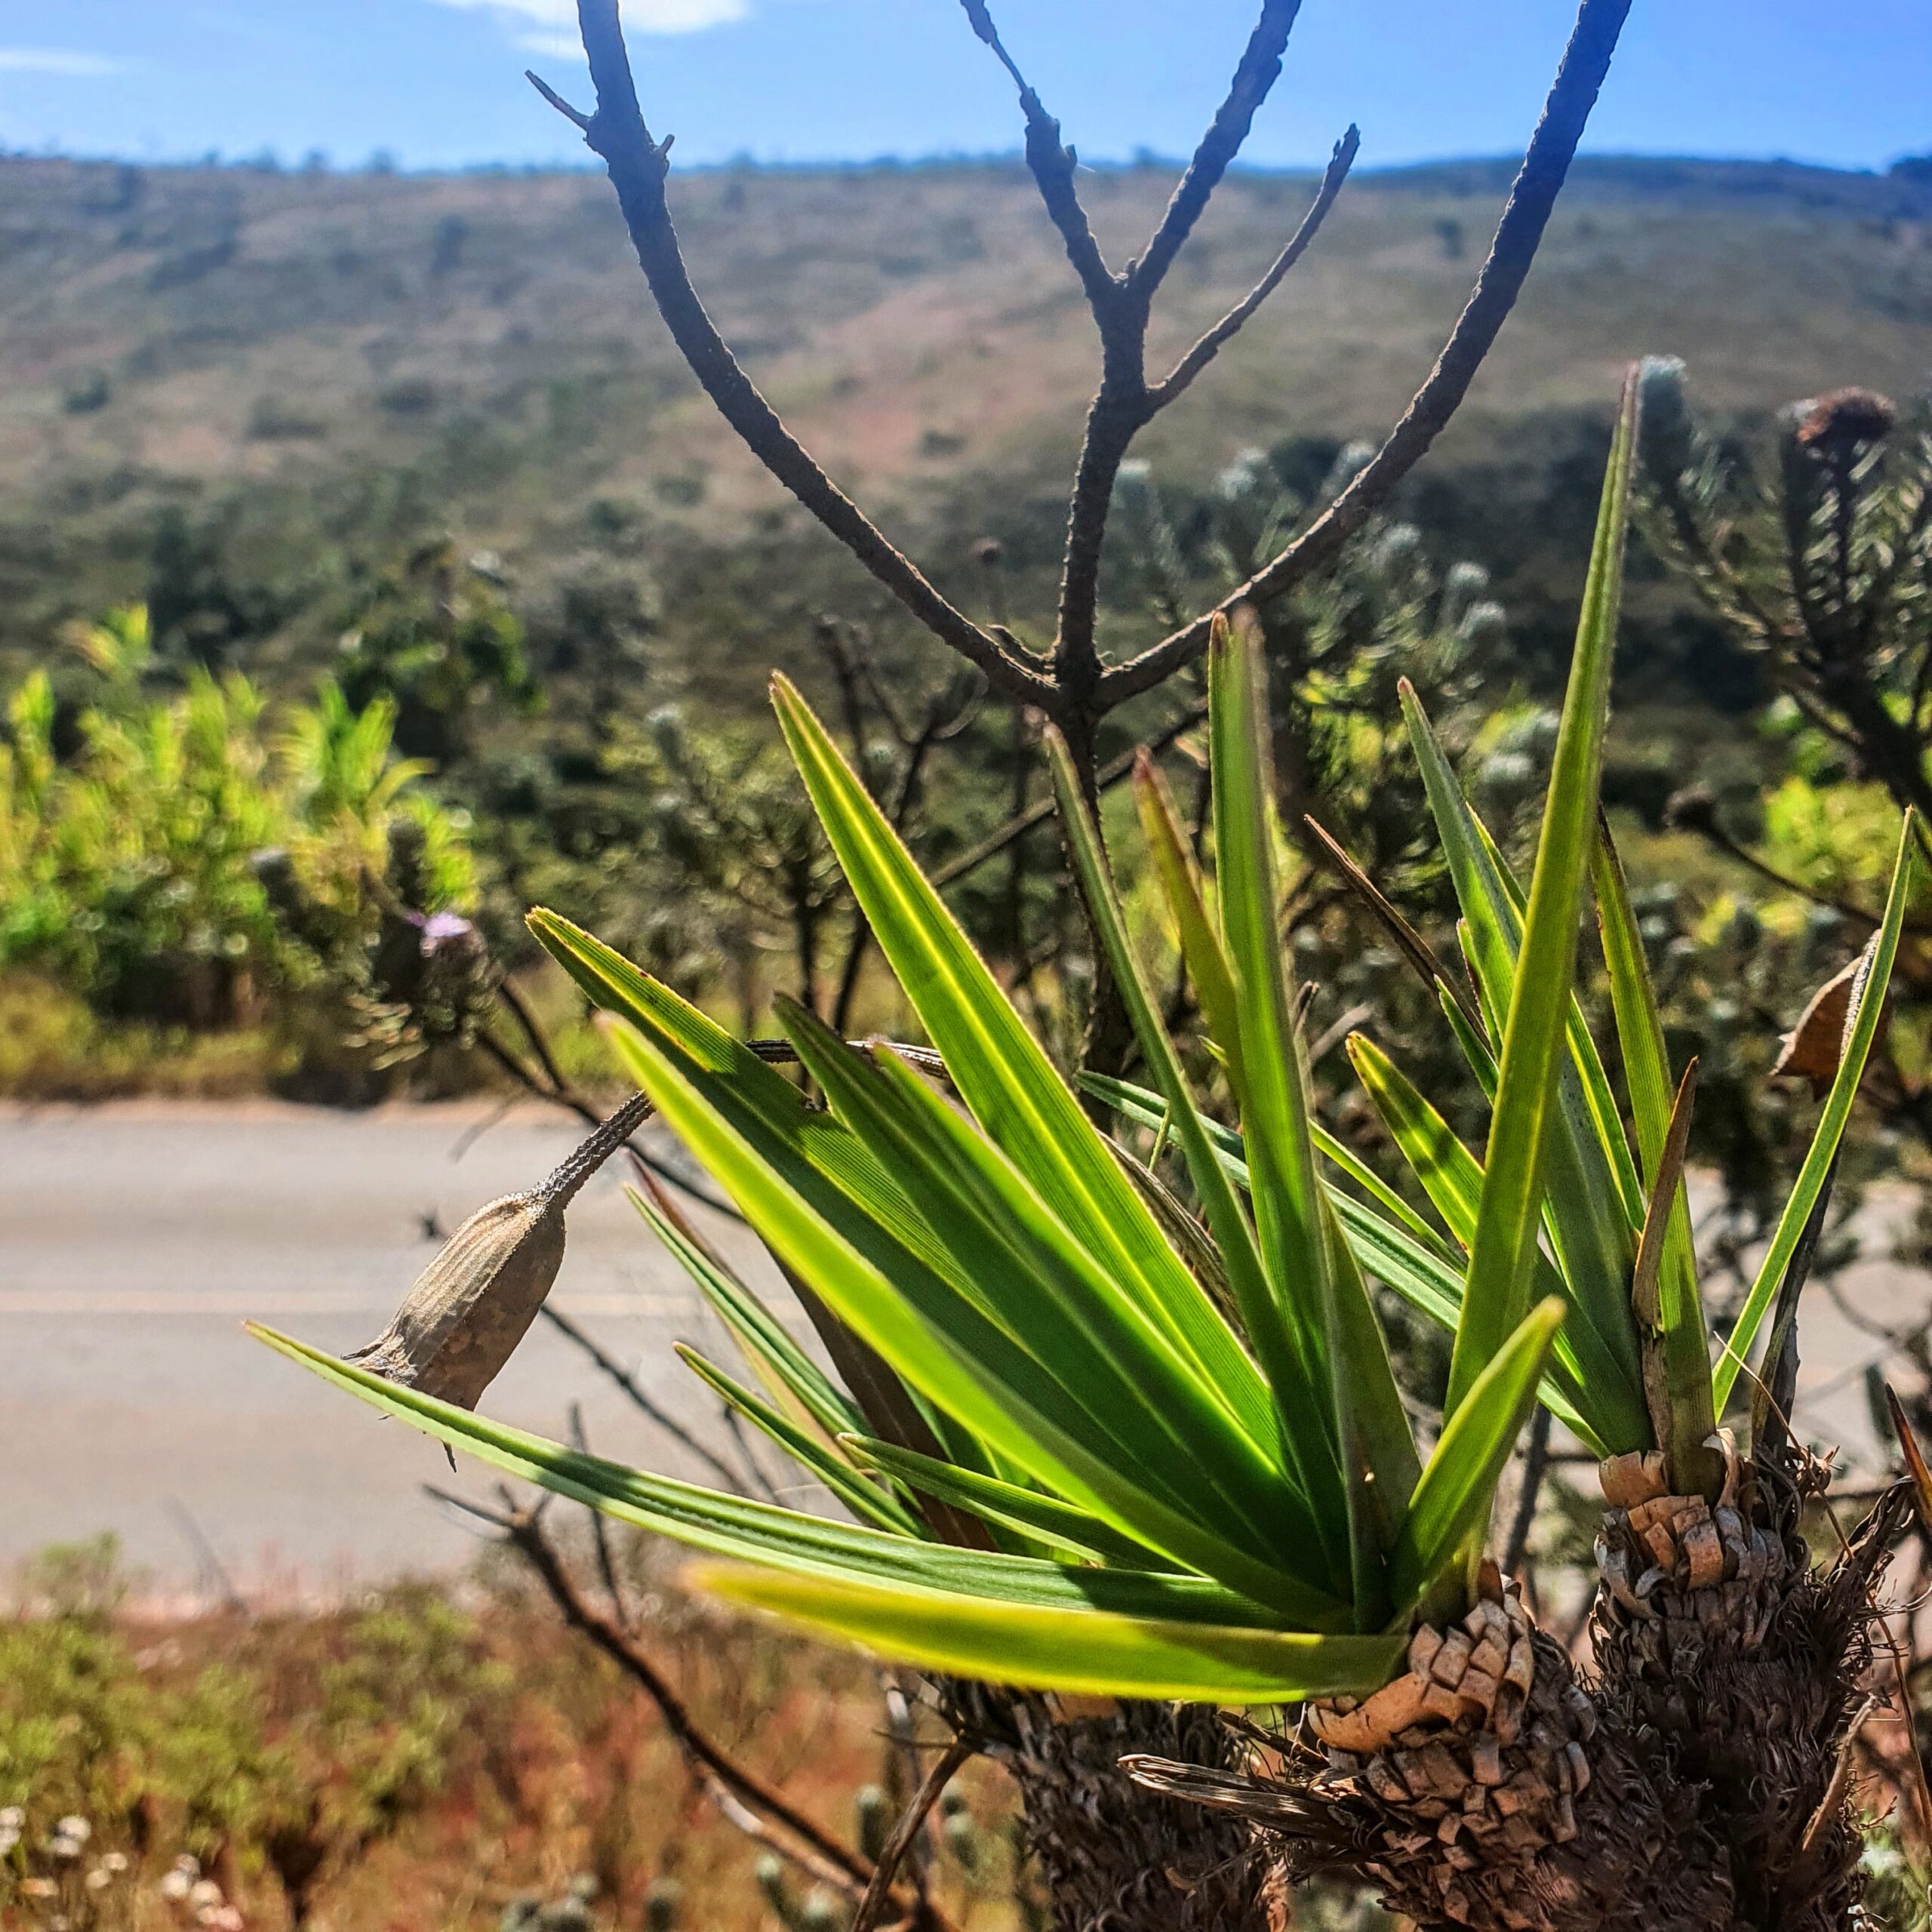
column 437, row 83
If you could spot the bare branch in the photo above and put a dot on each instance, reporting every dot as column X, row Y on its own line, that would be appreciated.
column 639, row 169
column 1022, row 822
column 632, row 1388
column 1123, row 403
column 600, row 1530
column 1053, row 164
column 1209, row 345
column 723, row 1777
column 939, row 1774
column 1546, row 164
column 1259, row 68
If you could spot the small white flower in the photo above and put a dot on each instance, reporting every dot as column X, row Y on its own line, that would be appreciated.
column 226, row 1920
column 37, row 1888
column 9, row 1838
column 115, row 1862
column 63, row 1847
column 204, row 1892
column 189, row 1864
column 175, row 1884
column 75, row 1827
column 12, row 1818
column 99, row 1878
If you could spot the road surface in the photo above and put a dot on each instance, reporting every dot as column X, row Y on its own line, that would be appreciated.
column 135, row 1239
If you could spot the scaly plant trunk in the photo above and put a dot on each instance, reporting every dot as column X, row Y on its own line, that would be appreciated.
column 1696, row 1781
column 1114, row 1855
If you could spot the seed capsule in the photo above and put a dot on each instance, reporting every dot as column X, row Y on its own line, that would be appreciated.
column 469, row 1309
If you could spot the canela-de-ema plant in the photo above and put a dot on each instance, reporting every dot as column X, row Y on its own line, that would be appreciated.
column 1107, row 1431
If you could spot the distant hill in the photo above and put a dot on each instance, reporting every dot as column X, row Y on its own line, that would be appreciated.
column 314, row 360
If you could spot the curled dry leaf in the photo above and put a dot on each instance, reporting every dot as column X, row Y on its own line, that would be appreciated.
column 1813, row 1048
column 469, row 1309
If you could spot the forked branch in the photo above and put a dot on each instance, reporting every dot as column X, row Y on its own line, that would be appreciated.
column 1256, row 73
column 640, row 168
column 1211, row 344
column 1122, row 305
column 1519, row 234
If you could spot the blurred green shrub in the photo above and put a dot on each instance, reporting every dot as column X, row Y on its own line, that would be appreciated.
column 132, row 836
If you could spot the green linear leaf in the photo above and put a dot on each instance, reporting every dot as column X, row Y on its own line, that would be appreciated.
column 1146, row 1108
column 1503, row 1257
column 1029, row 1510
column 1594, row 1381
column 1263, row 1053
column 1014, row 1090
column 1831, row 1120
column 866, row 1500
column 1685, row 1335
column 764, row 1339
column 1248, row 1280
column 1450, row 1175
column 1432, row 1289
column 1452, row 1500
column 1423, row 1273
column 736, row 1528
column 1589, row 1214
column 946, row 1347
column 1053, row 1299
column 1068, row 1651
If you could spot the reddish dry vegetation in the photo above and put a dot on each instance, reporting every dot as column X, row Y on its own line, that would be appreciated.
column 414, row 1763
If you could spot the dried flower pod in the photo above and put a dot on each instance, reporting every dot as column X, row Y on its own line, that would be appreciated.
column 1835, row 425
column 463, row 1319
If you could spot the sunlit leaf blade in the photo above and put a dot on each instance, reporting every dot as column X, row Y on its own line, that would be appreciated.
column 1592, row 1382
column 1452, row 1501
column 742, row 1530
column 1001, row 1073
column 1376, row 1438
column 1831, row 1120
column 1185, row 892
column 1029, row 1510
column 866, row 1500
column 946, row 1345
column 1587, row 1090
column 1317, row 1286
column 1261, row 1312
column 1053, row 1299
column 1068, row 1650
column 1591, row 1218
column 1685, row 1336
column 1449, row 1174
column 1502, row 1257
column 1263, row 1054
column 1422, row 1271
column 1146, row 1108
column 764, row 1339
column 813, row 1153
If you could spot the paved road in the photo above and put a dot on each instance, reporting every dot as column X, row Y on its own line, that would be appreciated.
column 134, row 1240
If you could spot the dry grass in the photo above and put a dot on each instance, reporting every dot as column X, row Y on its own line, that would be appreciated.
column 551, row 1770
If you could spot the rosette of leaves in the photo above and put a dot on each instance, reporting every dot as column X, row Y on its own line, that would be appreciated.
column 1102, row 1432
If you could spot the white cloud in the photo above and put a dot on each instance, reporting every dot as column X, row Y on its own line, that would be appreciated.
column 549, row 26
column 68, row 62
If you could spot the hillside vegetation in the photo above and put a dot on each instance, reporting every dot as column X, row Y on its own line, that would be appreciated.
column 254, row 384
